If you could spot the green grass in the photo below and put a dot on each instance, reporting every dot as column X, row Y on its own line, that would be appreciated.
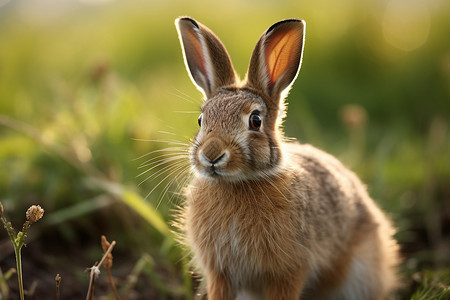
column 432, row 285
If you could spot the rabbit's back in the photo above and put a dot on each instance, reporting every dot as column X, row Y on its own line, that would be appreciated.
column 350, row 239
column 335, row 200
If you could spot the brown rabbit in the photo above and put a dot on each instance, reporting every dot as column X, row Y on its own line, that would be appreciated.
column 266, row 218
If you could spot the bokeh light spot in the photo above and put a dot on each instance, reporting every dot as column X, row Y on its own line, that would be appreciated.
column 406, row 23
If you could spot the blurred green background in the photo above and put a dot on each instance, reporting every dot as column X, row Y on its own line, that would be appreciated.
column 89, row 87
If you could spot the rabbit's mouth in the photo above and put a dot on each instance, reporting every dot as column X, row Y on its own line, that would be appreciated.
column 213, row 171
column 218, row 175
column 213, row 165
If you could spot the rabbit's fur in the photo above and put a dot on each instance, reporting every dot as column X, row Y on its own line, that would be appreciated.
column 266, row 218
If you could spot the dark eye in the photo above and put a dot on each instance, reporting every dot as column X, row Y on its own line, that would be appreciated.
column 200, row 120
column 255, row 121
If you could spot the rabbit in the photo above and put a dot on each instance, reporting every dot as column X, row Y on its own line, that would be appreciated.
column 265, row 216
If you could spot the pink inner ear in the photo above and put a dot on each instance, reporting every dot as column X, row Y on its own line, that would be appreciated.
column 193, row 47
column 281, row 52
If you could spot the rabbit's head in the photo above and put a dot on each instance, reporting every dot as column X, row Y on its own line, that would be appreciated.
column 240, row 136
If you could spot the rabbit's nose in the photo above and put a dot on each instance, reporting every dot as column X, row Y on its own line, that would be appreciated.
column 213, row 153
column 213, row 162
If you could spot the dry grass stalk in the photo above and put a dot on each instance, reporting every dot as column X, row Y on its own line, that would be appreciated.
column 108, row 265
column 95, row 271
column 58, row 284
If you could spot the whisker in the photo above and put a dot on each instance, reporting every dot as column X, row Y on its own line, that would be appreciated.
column 186, row 97
column 171, row 149
column 167, row 170
column 170, row 142
column 170, row 173
column 166, row 132
column 162, row 162
column 186, row 175
column 159, row 172
column 161, row 158
column 186, row 111
column 181, row 97
column 167, row 157
column 167, row 186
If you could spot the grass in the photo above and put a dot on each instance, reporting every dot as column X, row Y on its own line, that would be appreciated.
column 432, row 285
column 86, row 90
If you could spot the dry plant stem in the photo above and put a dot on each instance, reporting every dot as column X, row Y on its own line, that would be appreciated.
column 95, row 271
column 113, row 285
column 58, row 284
column 108, row 264
column 113, row 243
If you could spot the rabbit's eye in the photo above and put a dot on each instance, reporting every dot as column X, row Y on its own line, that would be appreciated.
column 255, row 121
column 200, row 120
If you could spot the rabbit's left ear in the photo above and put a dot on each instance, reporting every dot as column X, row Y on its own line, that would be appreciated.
column 205, row 57
column 276, row 58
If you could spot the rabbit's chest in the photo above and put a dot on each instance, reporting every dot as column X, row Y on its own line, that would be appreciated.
column 248, row 236
column 237, row 241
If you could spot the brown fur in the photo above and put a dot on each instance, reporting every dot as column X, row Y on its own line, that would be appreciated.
column 273, row 219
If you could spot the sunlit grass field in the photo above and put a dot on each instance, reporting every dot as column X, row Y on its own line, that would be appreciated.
column 90, row 91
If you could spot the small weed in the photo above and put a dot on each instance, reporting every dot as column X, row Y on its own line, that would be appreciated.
column 33, row 214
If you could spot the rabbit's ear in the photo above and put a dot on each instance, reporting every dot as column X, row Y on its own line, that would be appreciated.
column 276, row 58
column 205, row 56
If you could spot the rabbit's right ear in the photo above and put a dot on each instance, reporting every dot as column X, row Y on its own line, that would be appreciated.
column 205, row 57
